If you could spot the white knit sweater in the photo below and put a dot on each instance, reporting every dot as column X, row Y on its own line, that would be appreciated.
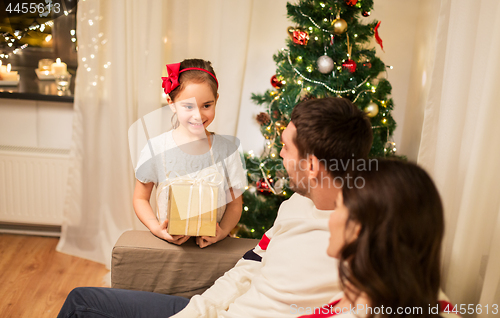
column 289, row 269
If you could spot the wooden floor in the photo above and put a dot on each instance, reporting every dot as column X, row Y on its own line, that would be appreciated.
column 35, row 279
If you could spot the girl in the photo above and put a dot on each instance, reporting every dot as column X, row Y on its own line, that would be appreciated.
column 191, row 88
column 387, row 237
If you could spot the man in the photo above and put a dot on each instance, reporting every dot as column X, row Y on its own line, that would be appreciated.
column 288, row 273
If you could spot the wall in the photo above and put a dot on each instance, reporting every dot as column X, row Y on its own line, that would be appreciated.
column 35, row 138
column 265, row 39
column 37, row 124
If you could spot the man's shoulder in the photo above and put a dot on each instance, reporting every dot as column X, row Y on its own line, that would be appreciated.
column 298, row 198
column 296, row 206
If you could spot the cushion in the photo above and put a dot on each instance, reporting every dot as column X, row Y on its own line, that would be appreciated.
column 141, row 261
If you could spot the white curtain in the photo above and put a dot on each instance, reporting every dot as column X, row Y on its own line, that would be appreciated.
column 123, row 48
column 114, row 84
column 459, row 146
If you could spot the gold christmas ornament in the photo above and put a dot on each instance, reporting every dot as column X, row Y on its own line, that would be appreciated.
column 371, row 110
column 339, row 26
column 290, row 30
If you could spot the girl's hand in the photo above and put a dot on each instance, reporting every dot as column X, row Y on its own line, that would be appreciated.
column 161, row 232
column 204, row 241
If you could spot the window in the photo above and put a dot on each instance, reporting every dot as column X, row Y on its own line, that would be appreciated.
column 34, row 30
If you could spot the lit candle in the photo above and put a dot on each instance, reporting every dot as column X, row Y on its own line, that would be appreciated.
column 9, row 75
column 3, row 68
column 44, row 65
column 59, row 68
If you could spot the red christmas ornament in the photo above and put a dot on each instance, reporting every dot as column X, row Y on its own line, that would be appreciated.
column 366, row 13
column 351, row 3
column 349, row 65
column 262, row 186
column 367, row 64
column 276, row 82
column 300, row 37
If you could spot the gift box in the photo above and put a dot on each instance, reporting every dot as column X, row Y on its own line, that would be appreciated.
column 190, row 203
column 192, row 209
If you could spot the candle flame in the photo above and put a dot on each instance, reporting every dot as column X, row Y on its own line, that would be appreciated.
column 8, row 67
column 58, row 60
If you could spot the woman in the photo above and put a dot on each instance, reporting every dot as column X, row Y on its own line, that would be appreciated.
column 387, row 237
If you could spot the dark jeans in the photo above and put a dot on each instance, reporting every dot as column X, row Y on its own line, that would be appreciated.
column 97, row 302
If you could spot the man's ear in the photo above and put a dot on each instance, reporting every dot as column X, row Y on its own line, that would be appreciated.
column 313, row 166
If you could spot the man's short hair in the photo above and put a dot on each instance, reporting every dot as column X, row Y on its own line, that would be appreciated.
column 334, row 130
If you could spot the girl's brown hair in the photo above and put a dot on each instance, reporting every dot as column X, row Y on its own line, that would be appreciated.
column 195, row 76
column 395, row 260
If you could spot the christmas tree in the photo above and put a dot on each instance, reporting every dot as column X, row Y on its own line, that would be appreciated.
column 329, row 52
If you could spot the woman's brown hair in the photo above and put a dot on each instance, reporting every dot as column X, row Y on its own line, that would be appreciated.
column 395, row 260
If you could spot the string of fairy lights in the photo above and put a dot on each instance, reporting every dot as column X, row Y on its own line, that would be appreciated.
column 324, row 84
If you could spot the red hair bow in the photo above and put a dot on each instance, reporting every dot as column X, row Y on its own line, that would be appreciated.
column 172, row 81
